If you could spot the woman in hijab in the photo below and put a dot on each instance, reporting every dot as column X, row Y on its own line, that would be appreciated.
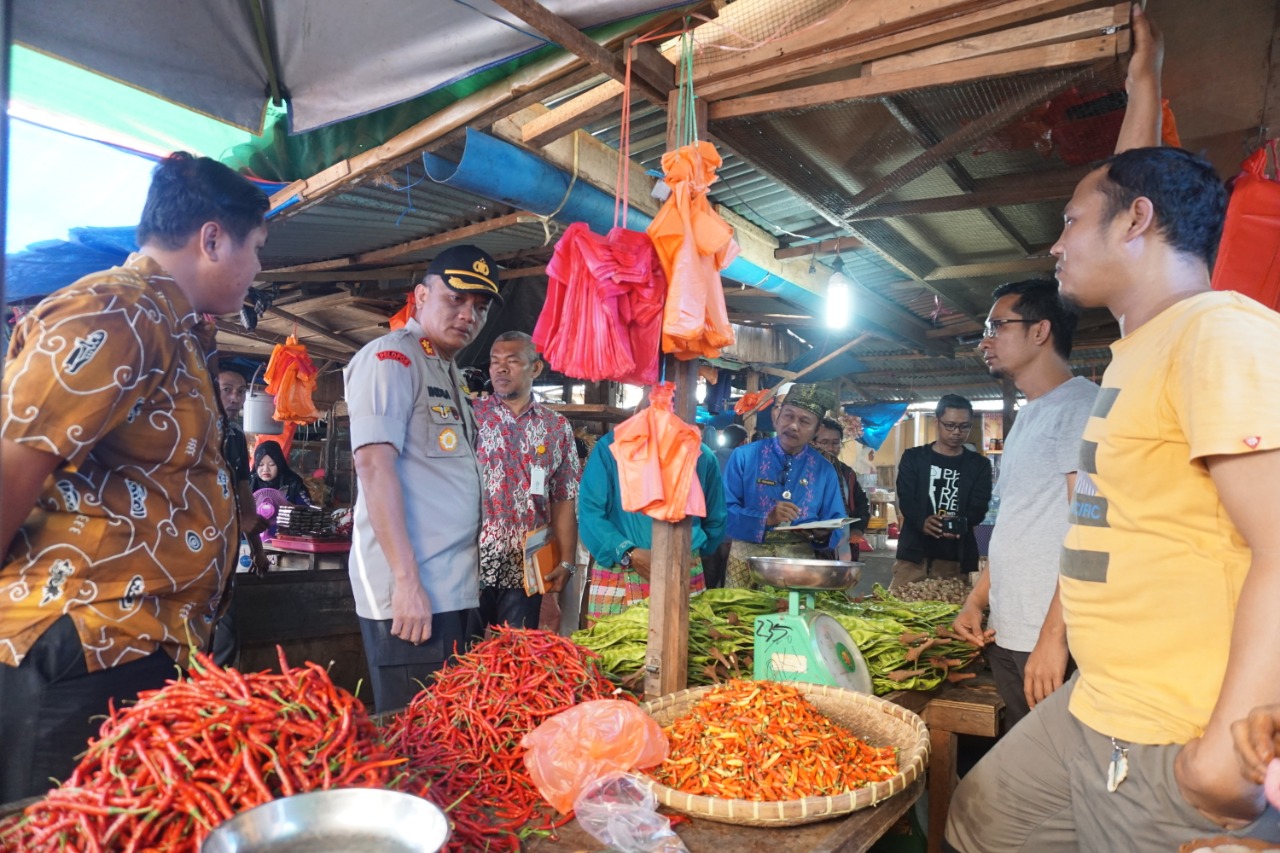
column 271, row 471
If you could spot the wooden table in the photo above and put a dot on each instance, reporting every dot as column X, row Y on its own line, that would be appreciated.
column 853, row 834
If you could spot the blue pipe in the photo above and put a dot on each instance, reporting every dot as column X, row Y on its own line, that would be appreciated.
column 500, row 171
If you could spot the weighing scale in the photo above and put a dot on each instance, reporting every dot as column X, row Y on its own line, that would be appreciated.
column 803, row 644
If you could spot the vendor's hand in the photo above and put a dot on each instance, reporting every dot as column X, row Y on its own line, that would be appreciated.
column 1046, row 669
column 968, row 625
column 1256, row 739
column 411, row 613
column 641, row 560
column 557, row 579
column 1148, row 48
column 783, row 512
column 1208, row 776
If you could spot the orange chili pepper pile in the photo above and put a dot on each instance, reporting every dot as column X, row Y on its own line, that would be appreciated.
column 762, row 740
column 165, row 771
column 462, row 734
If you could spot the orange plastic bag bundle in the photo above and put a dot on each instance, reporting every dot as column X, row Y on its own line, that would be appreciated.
column 291, row 379
column 1249, row 252
column 657, row 455
column 694, row 244
column 603, row 314
column 569, row 751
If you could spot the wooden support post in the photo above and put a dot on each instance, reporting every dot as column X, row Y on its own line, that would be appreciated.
column 667, row 657
column 749, row 420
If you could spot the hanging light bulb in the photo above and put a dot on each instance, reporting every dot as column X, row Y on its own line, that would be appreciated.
column 839, row 296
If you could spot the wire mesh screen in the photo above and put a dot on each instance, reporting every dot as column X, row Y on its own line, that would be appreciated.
column 848, row 158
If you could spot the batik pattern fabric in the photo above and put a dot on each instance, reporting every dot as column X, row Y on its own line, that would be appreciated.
column 136, row 531
column 761, row 474
column 510, row 447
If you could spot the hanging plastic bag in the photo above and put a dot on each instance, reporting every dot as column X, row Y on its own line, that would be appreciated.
column 657, row 456
column 1249, row 252
column 620, row 811
column 694, row 243
column 602, row 317
column 291, row 379
column 575, row 747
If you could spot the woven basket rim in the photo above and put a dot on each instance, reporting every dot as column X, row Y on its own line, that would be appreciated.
column 912, row 760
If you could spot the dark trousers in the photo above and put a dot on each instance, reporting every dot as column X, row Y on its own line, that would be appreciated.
column 398, row 670
column 224, row 647
column 509, row 607
column 46, row 706
column 715, row 565
column 1010, row 671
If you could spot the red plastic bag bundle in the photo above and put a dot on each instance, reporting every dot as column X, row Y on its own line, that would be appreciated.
column 1082, row 127
column 603, row 314
column 291, row 379
column 657, row 456
column 1249, row 253
column 569, row 751
column 694, row 244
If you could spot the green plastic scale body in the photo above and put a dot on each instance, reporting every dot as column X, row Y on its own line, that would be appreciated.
column 805, row 645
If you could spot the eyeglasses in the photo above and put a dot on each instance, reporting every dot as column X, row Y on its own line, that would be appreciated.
column 964, row 427
column 992, row 327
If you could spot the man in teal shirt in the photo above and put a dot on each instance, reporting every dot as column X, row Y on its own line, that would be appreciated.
column 620, row 540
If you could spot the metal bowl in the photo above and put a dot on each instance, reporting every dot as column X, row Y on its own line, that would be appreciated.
column 343, row 820
column 805, row 574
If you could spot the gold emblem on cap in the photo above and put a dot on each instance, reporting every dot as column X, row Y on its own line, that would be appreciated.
column 481, row 267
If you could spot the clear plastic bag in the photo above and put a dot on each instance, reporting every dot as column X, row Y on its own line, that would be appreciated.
column 575, row 747
column 619, row 810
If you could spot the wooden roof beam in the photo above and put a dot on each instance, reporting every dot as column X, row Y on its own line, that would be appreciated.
column 1079, row 52
column 268, row 340
column 379, row 255
column 825, row 247
column 1025, row 188
column 349, row 345
column 379, row 274
column 1090, row 22
column 573, row 40
column 865, row 30
column 987, row 268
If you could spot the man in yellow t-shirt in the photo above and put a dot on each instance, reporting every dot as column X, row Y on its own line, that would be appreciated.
column 1170, row 571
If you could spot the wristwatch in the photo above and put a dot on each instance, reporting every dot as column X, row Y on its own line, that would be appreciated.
column 625, row 559
column 569, row 567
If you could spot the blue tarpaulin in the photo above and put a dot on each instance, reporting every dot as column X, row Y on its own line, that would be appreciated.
column 877, row 420
column 43, row 267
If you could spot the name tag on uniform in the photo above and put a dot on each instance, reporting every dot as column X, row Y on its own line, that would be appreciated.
column 538, row 481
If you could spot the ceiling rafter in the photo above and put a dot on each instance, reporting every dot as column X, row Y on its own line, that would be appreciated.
column 422, row 243
column 643, row 79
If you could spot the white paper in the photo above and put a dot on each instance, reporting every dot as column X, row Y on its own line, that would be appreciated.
column 829, row 524
column 538, row 481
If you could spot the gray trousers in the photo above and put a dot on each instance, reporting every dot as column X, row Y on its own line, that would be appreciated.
column 1043, row 789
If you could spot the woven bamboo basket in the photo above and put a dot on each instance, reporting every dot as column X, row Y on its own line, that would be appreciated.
column 876, row 721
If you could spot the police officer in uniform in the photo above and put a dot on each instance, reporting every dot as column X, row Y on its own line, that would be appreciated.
column 414, row 552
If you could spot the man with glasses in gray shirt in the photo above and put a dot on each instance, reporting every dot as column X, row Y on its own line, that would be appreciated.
column 943, row 492
column 1028, row 340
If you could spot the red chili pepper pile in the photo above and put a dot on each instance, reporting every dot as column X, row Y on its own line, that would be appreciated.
column 462, row 734
column 165, row 771
column 763, row 740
